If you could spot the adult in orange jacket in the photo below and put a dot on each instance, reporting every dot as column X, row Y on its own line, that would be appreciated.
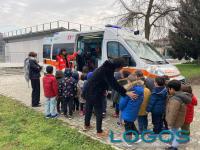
column 64, row 60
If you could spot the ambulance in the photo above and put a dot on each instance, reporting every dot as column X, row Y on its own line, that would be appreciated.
column 53, row 45
column 98, row 46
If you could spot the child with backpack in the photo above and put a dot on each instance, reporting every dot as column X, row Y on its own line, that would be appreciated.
column 68, row 89
column 157, row 104
column 59, row 78
column 129, row 108
column 189, row 109
column 50, row 87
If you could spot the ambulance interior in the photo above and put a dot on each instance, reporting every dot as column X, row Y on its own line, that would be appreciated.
column 69, row 47
column 90, row 46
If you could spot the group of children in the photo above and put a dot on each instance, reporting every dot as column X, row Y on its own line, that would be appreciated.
column 63, row 92
column 171, row 104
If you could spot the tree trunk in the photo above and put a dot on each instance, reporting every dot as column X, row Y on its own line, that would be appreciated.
column 147, row 29
column 147, row 20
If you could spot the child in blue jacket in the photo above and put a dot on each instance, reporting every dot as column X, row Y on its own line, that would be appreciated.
column 157, row 104
column 129, row 108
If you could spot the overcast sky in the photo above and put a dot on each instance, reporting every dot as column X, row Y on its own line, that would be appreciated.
column 21, row 13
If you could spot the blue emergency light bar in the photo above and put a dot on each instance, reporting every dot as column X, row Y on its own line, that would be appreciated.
column 118, row 27
column 113, row 26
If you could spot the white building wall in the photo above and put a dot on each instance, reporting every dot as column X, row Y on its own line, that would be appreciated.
column 17, row 51
column 2, row 49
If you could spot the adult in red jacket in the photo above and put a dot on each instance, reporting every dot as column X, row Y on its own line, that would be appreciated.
column 64, row 60
column 50, row 87
column 189, row 110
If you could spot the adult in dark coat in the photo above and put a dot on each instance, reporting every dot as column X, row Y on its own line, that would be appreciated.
column 102, row 78
column 34, row 75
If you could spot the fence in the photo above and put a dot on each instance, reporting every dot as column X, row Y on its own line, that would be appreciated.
column 50, row 26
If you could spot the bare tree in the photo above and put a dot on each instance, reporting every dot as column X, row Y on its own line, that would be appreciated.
column 147, row 14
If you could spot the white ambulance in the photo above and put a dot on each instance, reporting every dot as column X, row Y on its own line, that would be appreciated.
column 53, row 45
column 112, row 42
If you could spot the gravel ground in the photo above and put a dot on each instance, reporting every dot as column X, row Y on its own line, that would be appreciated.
column 15, row 86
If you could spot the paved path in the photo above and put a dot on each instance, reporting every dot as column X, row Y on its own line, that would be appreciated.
column 13, row 65
column 16, row 87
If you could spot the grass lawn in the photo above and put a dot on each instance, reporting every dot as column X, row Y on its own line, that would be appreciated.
column 22, row 128
column 189, row 70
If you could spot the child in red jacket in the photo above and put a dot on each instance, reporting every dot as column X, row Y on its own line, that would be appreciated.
column 190, row 109
column 50, row 87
